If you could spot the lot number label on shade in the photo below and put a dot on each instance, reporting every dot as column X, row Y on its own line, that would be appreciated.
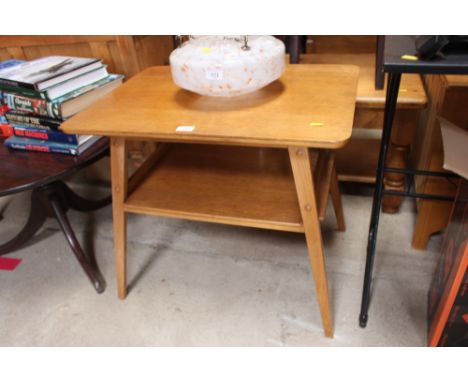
column 214, row 75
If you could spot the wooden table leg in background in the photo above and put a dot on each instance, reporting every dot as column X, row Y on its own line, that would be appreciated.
column 326, row 184
column 300, row 163
column 402, row 135
column 336, row 200
column 119, row 173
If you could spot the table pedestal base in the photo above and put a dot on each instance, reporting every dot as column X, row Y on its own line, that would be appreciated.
column 54, row 200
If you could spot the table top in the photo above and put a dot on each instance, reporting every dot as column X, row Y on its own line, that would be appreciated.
column 310, row 105
column 411, row 94
column 24, row 170
column 397, row 46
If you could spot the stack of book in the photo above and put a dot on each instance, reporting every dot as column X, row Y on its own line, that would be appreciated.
column 39, row 95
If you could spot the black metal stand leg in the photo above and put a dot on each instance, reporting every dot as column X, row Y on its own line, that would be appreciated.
column 393, row 86
column 88, row 265
column 37, row 217
column 294, row 49
column 78, row 203
column 379, row 73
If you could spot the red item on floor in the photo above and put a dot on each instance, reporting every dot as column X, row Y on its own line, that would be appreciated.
column 8, row 264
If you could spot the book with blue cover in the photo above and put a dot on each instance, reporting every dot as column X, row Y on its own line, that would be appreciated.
column 10, row 63
column 49, row 135
column 28, row 144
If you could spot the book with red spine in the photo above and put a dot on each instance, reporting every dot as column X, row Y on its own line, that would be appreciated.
column 48, row 135
column 5, row 130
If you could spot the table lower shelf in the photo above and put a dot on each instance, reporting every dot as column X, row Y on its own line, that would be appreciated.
column 223, row 184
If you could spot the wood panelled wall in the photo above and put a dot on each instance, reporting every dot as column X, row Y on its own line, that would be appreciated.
column 123, row 54
column 341, row 44
column 126, row 55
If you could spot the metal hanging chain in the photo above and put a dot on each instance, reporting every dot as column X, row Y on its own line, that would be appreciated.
column 243, row 39
column 245, row 46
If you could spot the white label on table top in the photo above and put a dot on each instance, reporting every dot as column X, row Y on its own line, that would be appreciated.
column 185, row 128
column 216, row 75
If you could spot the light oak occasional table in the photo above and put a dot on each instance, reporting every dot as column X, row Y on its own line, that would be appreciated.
column 242, row 161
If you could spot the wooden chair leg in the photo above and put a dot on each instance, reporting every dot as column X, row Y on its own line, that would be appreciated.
column 301, row 168
column 336, row 200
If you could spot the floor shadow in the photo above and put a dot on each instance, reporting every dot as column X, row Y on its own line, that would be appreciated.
column 329, row 231
column 89, row 238
column 4, row 208
column 192, row 101
column 146, row 266
column 357, row 189
column 43, row 234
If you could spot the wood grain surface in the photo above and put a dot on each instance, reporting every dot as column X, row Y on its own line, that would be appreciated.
column 411, row 95
column 311, row 105
column 223, row 184
column 24, row 170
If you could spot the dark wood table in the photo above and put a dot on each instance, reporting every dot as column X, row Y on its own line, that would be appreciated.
column 44, row 174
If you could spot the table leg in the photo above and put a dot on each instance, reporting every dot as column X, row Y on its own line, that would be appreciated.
column 393, row 86
column 51, row 200
column 119, row 177
column 379, row 57
column 404, row 126
column 323, row 172
column 336, row 200
column 88, row 263
column 300, row 164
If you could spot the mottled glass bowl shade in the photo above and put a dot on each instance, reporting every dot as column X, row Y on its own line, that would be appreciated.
column 223, row 66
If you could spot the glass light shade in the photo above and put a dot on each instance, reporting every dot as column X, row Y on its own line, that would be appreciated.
column 227, row 66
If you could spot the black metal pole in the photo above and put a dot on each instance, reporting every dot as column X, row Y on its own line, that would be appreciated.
column 393, row 86
column 176, row 41
column 379, row 59
column 294, row 49
column 419, row 195
column 410, row 171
